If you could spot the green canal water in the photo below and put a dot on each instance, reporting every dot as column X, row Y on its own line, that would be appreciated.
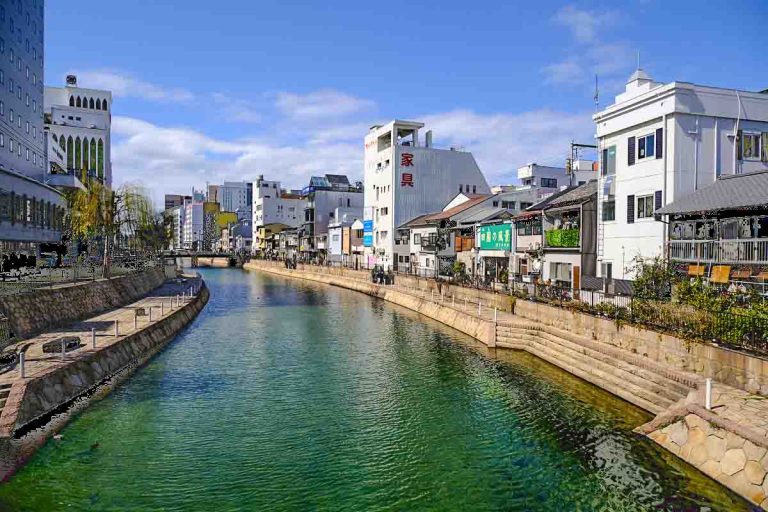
column 285, row 395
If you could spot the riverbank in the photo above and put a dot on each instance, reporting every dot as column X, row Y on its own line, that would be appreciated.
column 733, row 452
column 100, row 351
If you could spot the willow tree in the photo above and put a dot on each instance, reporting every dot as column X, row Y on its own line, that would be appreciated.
column 111, row 215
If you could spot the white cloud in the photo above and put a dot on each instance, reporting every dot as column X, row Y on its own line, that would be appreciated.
column 503, row 142
column 235, row 109
column 321, row 104
column 569, row 71
column 584, row 25
column 122, row 84
column 174, row 159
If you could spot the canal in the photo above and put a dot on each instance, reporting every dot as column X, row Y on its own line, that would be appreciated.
column 286, row 395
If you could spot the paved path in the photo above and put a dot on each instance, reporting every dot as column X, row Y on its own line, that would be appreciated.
column 161, row 301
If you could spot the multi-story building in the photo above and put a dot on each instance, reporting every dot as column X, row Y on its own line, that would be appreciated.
column 339, row 232
column 405, row 179
column 659, row 142
column 79, row 124
column 31, row 211
column 555, row 239
column 548, row 180
column 274, row 209
column 233, row 196
column 174, row 217
column 192, row 225
column 212, row 193
column 174, row 200
column 323, row 195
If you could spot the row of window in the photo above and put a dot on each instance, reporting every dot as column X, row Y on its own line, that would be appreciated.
column 30, row 211
column 31, row 23
column 17, row 148
column 463, row 190
column 83, row 153
column 638, row 207
column 28, row 129
column 84, row 102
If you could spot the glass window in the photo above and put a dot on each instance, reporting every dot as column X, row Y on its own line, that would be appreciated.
column 646, row 146
column 2, row 77
column 549, row 182
column 750, row 146
column 609, row 210
column 645, row 207
column 2, row 140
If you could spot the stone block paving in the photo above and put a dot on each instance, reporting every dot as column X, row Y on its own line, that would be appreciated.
column 130, row 319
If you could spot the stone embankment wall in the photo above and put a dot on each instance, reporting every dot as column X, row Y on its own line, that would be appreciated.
column 482, row 330
column 38, row 397
column 723, row 365
column 32, row 313
column 723, row 449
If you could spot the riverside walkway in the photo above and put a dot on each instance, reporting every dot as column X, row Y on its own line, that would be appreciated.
column 95, row 334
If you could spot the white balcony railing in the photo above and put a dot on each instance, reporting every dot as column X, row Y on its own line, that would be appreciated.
column 753, row 251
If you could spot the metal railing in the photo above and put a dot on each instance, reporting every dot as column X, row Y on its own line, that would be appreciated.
column 754, row 250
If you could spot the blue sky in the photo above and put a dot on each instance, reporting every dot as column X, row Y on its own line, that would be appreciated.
column 207, row 92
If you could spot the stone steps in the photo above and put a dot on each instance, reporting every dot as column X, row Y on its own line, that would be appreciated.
column 611, row 368
column 635, row 374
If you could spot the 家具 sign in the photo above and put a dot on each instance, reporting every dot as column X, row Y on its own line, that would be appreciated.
column 496, row 237
column 368, row 233
column 406, row 179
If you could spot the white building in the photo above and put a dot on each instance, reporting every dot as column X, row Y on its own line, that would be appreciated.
column 79, row 123
column 342, row 218
column 192, row 224
column 548, row 180
column 405, row 179
column 274, row 207
column 659, row 142
column 233, row 196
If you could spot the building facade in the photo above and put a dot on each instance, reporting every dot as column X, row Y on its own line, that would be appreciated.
column 405, row 179
column 274, row 209
column 79, row 123
column 659, row 142
column 233, row 196
column 324, row 195
column 31, row 211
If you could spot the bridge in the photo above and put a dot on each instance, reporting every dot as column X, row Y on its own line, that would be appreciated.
column 205, row 259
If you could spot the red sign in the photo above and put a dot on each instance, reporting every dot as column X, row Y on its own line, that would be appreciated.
column 406, row 160
column 407, row 180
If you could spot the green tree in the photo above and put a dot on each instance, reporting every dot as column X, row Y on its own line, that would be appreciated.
column 653, row 278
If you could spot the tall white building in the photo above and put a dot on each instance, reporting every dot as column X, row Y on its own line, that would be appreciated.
column 192, row 224
column 233, row 196
column 79, row 124
column 405, row 179
column 659, row 142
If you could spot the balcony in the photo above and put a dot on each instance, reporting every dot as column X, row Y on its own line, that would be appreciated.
column 562, row 238
column 737, row 251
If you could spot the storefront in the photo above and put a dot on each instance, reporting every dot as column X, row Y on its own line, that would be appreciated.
column 495, row 245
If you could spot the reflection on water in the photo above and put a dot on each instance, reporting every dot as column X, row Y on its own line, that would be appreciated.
column 285, row 395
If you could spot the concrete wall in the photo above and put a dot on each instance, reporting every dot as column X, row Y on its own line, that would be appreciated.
column 482, row 330
column 729, row 367
column 39, row 396
column 33, row 313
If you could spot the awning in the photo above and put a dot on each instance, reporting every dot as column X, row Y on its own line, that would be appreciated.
column 748, row 191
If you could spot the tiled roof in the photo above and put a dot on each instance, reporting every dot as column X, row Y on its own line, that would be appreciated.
column 738, row 191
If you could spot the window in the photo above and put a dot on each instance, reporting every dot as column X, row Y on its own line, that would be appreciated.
column 549, row 182
column 417, row 239
column 606, row 270
column 34, row 158
column 646, row 146
column 10, row 144
column 750, row 146
column 2, row 140
column 384, row 211
column 609, row 210
column 26, row 127
column 2, row 108
column 645, row 207
column 474, row 189
column 461, row 188
column 27, row 152
column 508, row 205
column 10, row 113
column 560, row 271
column 495, row 204
column 524, row 205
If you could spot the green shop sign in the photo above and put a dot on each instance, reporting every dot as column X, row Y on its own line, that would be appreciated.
column 496, row 237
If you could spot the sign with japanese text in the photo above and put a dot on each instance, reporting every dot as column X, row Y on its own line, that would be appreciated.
column 406, row 160
column 406, row 180
column 496, row 237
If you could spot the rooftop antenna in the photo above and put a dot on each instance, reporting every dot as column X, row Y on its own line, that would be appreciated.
column 597, row 93
column 638, row 59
